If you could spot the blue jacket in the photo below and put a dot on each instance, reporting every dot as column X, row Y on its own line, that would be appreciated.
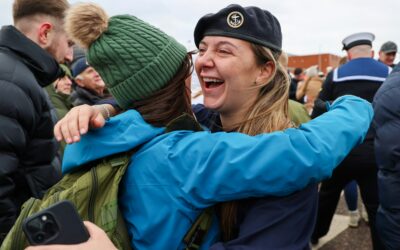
column 387, row 151
column 174, row 176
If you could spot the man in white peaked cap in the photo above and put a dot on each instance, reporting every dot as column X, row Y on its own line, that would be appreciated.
column 361, row 76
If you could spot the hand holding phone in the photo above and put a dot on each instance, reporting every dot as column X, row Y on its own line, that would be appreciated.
column 98, row 240
column 57, row 224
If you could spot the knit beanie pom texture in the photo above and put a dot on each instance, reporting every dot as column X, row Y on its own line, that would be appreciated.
column 85, row 22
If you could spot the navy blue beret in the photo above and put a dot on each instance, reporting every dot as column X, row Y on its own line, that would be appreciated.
column 79, row 66
column 251, row 24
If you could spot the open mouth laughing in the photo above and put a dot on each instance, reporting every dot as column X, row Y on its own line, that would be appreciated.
column 212, row 82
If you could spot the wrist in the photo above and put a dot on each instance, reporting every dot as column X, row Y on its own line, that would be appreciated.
column 105, row 112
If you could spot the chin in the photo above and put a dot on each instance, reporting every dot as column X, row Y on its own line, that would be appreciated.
column 212, row 105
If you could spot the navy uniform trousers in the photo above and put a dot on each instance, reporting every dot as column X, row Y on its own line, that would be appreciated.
column 360, row 166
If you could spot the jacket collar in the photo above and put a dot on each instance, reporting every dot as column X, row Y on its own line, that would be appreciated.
column 42, row 64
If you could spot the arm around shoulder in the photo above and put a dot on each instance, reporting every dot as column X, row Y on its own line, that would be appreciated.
column 237, row 166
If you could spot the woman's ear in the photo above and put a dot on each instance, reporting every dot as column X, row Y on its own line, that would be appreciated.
column 266, row 71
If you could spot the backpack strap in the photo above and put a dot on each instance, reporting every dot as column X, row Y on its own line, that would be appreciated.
column 195, row 236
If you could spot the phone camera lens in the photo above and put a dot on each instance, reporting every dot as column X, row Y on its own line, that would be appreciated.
column 39, row 238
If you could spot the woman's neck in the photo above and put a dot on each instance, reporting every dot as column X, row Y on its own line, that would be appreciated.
column 231, row 121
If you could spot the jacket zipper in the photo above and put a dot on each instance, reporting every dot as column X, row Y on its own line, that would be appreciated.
column 93, row 193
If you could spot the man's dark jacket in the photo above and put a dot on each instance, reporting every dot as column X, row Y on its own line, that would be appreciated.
column 82, row 96
column 27, row 145
column 387, row 151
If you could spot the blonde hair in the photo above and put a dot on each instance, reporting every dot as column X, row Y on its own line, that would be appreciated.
column 270, row 110
column 268, row 113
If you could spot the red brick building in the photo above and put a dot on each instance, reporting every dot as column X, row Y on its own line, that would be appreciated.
column 322, row 60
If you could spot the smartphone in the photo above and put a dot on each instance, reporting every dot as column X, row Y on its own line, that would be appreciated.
column 57, row 224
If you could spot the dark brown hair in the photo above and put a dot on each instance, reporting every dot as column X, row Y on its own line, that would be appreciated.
column 171, row 101
column 26, row 8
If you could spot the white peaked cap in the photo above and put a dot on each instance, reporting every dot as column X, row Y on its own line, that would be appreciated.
column 362, row 38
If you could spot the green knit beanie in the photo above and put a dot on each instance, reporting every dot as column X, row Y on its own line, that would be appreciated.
column 134, row 58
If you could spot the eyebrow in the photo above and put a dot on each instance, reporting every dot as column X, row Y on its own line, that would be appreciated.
column 221, row 43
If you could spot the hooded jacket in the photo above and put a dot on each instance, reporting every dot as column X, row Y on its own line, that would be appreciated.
column 27, row 145
column 174, row 176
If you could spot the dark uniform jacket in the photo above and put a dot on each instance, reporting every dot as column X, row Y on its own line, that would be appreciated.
column 361, row 77
column 268, row 222
column 387, row 151
column 27, row 145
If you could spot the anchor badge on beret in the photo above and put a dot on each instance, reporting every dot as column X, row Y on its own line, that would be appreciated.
column 235, row 19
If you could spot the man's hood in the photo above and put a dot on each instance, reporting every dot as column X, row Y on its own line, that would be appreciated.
column 120, row 134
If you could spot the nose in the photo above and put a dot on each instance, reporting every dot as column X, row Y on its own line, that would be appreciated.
column 69, row 55
column 68, row 81
column 205, row 59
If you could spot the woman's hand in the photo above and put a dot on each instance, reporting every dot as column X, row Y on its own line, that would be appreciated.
column 79, row 119
column 98, row 240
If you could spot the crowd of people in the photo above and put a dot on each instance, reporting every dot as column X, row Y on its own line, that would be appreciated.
column 269, row 149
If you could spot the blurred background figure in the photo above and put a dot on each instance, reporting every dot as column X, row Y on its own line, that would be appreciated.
column 308, row 90
column 89, row 87
column 78, row 53
column 329, row 69
column 343, row 60
column 360, row 76
column 60, row 91
column 298, row 77
column 387, row 53
column 297, row 112
column 351, row 191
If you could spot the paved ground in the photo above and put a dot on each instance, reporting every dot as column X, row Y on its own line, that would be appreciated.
column 341, row 237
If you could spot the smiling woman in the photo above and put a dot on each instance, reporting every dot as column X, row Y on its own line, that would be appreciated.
column 242, row 79
column 227, row 71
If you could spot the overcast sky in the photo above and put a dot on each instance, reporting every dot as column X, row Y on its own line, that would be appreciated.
column 308, row 26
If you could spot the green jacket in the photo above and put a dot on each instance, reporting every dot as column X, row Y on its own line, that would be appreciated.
column 60, row 101
column 61, row 104
column 298, row 113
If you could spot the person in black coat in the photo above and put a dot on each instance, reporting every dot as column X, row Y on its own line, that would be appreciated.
column 27, row 146
column 386, row 124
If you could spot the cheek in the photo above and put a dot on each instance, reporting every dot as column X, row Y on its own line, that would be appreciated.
column 197, row 67
column 62, row 85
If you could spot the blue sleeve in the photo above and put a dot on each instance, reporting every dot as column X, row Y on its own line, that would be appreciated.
column 228, row 166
